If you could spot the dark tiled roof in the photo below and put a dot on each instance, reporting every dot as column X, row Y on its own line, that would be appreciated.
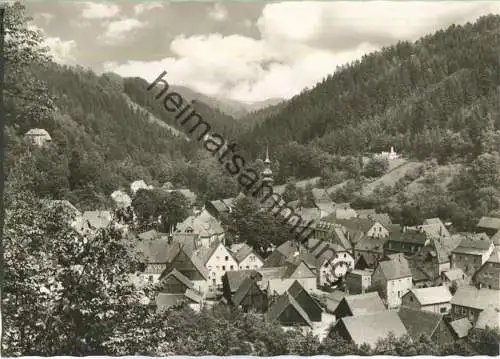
column 418, row 322
column 283, row 302
column 181, row 277
column 249, row 285
column 157, row 250
column 408, row 237
column 236, row 278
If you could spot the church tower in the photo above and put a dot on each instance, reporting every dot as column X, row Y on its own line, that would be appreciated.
column 267, row 175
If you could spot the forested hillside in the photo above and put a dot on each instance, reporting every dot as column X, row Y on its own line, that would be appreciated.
column 438, row 97
column 100, row 140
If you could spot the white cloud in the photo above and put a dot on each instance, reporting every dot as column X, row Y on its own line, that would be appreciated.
column 94, row 10
column 141, row 8
column 61, row 50
column 118, row 31
column 300, row 44
column 218, row 12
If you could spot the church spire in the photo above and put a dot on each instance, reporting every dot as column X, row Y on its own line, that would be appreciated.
column 267, row 160
column 267, row 174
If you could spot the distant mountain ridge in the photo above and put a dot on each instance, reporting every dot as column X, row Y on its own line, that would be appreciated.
column 233, row 108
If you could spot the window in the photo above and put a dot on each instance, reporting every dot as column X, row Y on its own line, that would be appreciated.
column 226, row 258
column 411, row 298
column 232, row 267
column 399, row 294
column 247, row 267
column 151, row 279
column 442, row 310
column 223, row 267
column 345, row 255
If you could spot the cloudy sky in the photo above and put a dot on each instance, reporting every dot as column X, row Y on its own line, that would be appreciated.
column 247, row 51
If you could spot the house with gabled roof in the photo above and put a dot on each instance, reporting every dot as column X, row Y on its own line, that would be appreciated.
column 409, row 242
column 247, row 258
column 418, row 323
column 232, row 280
column 372, row 247
column 488, row 276
column 392, row 278
column 287, row 252
column 175, row 283
column 469, row 302
column 218, row 260
column 369, row 328
column 187, row 262
column 205, row 226
column 366, row 261
column 383, row 218
column 156, row 254
column 488, row 225
column 334, row 261
column 470, row 255
column 431, row 299
column 306, row 301
column 359, row 304
column 250, row 296
column 288, row 312
column 433, row 228
column 367, row 226
column 294, row 271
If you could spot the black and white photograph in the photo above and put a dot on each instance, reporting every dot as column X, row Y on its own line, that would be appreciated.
column 249, row 178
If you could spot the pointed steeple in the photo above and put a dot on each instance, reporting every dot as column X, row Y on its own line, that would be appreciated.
column 267, row 161
column 267, row 173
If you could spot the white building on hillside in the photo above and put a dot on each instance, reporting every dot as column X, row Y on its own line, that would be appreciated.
column 391, row 155
column 38, row 137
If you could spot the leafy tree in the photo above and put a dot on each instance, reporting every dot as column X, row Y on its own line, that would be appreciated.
column 171, row 207
column 71, row 295
column 376, row 167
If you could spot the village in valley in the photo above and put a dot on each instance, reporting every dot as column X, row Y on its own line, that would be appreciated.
column 358, row 275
